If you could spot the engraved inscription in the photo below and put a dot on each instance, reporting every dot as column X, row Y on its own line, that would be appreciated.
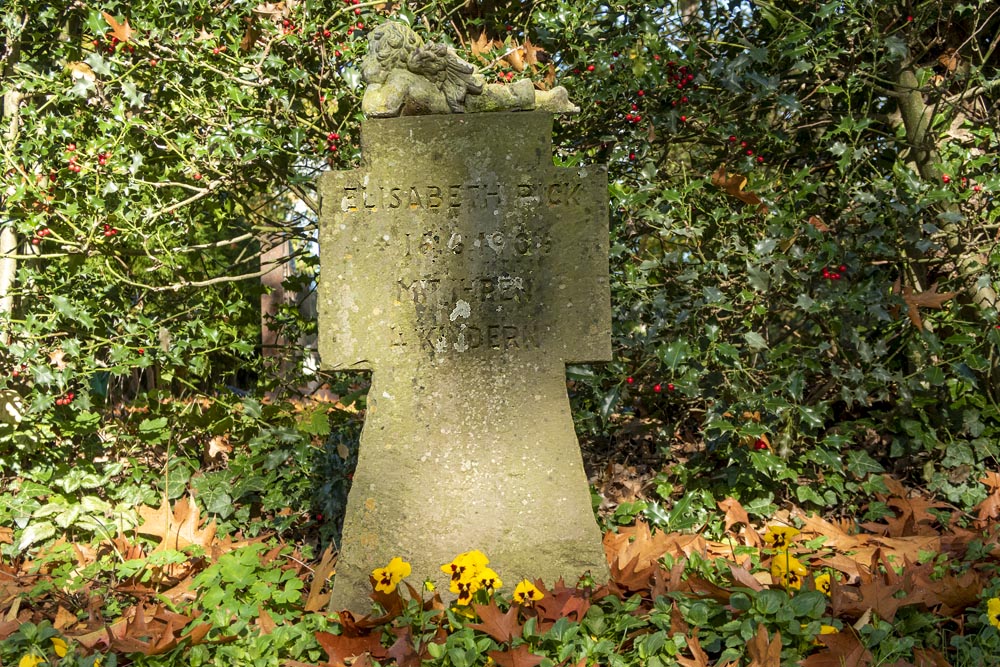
column 374, row 198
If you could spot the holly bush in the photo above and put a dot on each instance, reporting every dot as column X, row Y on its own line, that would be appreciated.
column 803, row 218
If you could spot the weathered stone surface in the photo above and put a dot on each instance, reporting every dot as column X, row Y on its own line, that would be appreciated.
column 407, row 77
column 465, row 270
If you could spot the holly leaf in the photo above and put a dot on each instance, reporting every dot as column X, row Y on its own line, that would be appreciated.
column 519, row 656
column 120, row 31
column 498, row 625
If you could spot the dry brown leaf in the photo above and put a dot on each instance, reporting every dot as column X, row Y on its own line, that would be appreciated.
column 515, row 59
column 699, row 657
column 764, row 651
column 120, row 31
column 264, row 621
column 531, row 53
column 481, row 45
column 733, row 184
column 843, row 649
column 818, row 223
column 519, row 656
column 177, row 528
column 64, row 619
column 950, row 60
column 317, row 599
column 78, row 70
column 929, row 657
column 929, row 298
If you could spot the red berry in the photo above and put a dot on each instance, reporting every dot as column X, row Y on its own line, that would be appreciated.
column 640, row 93
column 909, row 19
column 976, row 188
column 842, row 268
column 357, row 11
column 153, row 62
column 670, row 387
column 141, row 351
column 630, row 380
column 657, row 388
column 760, row 159
column 684, row 119
column 590, row 68
column 70, row 148
column 946, row 178
column 760, row 444
column 732, row 137
column 631, row 156
column 196, row 176
column 749, row 152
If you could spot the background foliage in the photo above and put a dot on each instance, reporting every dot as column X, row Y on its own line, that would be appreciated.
column 789, row 337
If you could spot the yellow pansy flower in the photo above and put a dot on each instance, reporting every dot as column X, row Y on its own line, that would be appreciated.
column 59, row 646
column 465, row 588
column 465, row 565
column 30, row 660
column 993, row 611
column 525, row 593
column 388, row 577
column 779, row 537
column 787, row 570
column 823, row 583
column 488, row 579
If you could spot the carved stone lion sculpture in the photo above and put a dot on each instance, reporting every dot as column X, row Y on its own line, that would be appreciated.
column 406, row 77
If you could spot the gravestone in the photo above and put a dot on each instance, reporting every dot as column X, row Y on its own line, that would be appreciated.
column 465, row 270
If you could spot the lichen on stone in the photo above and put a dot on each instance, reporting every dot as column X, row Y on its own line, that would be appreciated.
column 407, row 77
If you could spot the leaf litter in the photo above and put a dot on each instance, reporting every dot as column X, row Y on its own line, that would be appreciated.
column 881, row 567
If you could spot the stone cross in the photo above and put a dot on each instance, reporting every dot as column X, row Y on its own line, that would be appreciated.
column 465, row 270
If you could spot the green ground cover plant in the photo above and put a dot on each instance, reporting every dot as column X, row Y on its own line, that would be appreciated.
column 803, row 263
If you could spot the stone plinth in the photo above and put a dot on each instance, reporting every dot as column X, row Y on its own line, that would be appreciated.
column 465, row 270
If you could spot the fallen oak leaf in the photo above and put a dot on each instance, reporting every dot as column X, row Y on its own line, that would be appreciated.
column 502, row 627
column 120, row 31
column 700, row 658
column 733, row 184
column 818, row 224
column 481, row 45
column 518, row 656
column 342, row 649
column 929, row 298
column 764, row 651
column 843, row 649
